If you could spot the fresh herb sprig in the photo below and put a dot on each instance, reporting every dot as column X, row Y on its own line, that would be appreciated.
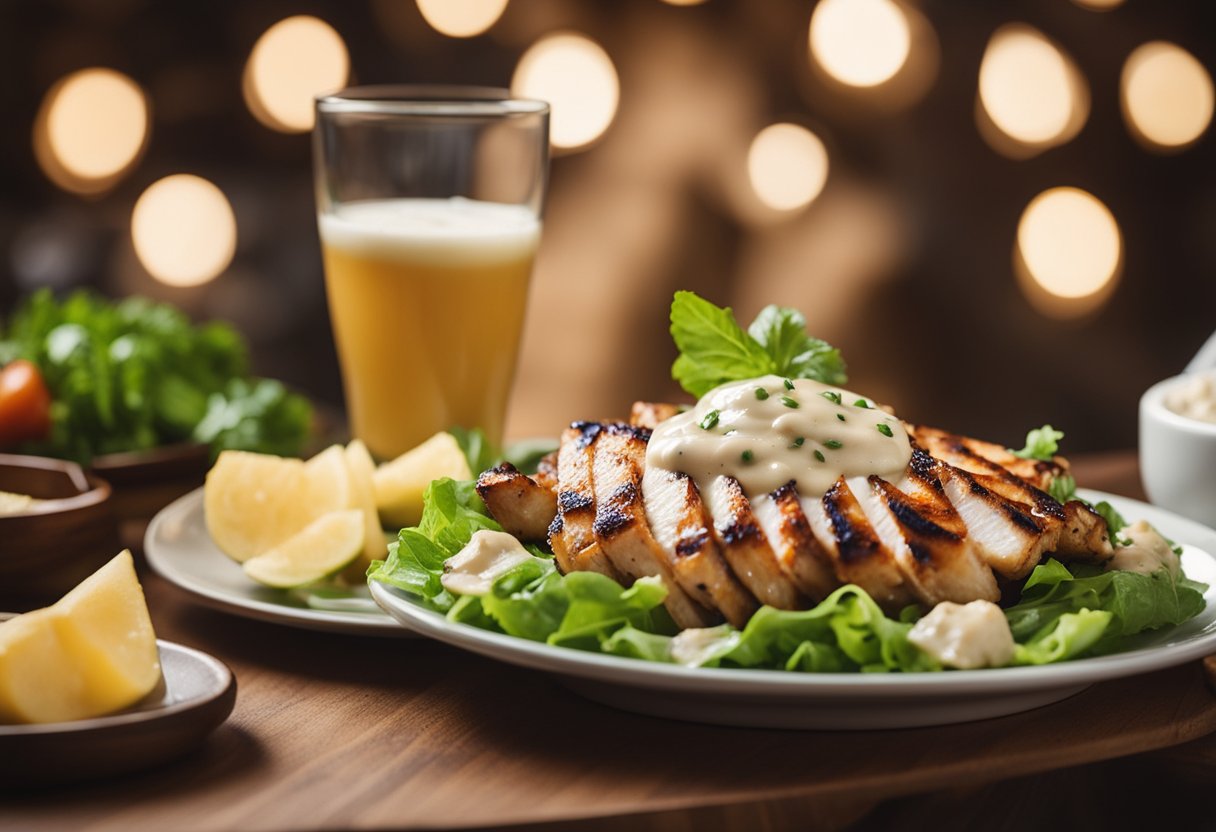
column 714, row 349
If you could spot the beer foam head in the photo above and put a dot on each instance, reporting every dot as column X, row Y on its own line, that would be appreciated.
column 451, row 232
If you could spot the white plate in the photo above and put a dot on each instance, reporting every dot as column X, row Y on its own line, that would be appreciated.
column 196, row 695
column 181, row 551
column 778, row 699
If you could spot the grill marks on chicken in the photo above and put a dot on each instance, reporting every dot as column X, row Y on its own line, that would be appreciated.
column 526, row 506
column 680, row 524
column 746, row 548
column 571, row 533
column 620, row 525
column 964, row 516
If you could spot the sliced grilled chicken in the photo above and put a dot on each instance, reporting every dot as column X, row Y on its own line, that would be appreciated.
column 619, row 458
column 649, row 414
column 746, row 548
column 1085, row 535
column 859, row 556
column 522, row 507
column 575, row 547
column 1073, row 531
column 917, row 523
column 799, row 553
column 546, row 472
column 1006, row 533
column 1037, row 472
column 681, row 526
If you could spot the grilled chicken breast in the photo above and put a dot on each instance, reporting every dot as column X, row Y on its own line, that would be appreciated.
column 620, row 526
column 575, row 547
column 521, row 505
column 964, row 516
column 681, row 526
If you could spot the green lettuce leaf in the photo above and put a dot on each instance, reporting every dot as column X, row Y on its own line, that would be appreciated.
column 1041, row 443
column 846, row 631
column 1063, row 488
column 452, row 513
column 1135, row 602
column 1069, row 635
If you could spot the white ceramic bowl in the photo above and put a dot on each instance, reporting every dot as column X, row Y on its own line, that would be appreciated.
column 1177, row 457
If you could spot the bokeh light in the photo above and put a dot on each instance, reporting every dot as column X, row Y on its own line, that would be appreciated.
column 294, row 61
column 1167, row 96
column 1099, row 5
column 461, row 18
column 184, row 230
column 684, row 2
column 861, row 43
column 576, row 76
column 1030, row 91
column 787, row 165
column 91, row 129
column 1070, row 248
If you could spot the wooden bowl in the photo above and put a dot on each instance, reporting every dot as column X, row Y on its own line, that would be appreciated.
column 144, row 482
column 53, row 545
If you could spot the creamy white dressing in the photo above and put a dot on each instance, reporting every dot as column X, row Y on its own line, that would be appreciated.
column 11, row 503
column 1146, row 552
column 765, row 434
column 486, row 557
column 965, row 636
column 692, row 647
column 1194, row 397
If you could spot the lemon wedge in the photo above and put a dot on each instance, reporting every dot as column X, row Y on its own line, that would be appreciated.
column 363, row 497
column 401, row 483
column 323, row 547
column 254, row 502
column 91, row 653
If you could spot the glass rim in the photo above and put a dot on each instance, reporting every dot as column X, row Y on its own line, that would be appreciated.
column 429, row 100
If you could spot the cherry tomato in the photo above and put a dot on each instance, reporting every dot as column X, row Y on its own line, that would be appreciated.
column 25, row 404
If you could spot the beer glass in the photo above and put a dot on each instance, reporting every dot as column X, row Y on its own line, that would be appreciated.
column 429, row 209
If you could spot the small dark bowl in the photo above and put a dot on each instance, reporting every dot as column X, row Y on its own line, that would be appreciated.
column 146, row 481
column 54, row 545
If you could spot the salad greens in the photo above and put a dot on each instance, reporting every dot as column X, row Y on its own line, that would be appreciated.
column 1132, row 601
column 1041, row 444
column 481, row 453
column 1064, row 612
column 714, row 349
column 135, row 374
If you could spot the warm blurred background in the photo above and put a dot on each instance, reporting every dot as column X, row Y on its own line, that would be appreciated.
column 1003, row 213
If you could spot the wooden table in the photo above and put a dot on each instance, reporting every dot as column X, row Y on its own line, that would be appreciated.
column 337, row 732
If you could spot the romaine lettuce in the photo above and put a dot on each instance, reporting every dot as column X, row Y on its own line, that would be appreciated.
column 1063, row 612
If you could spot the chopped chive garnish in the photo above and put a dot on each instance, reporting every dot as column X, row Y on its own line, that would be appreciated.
column 819, row 456
column 709, row 420
column 862, row 403
column 831, row 395
column 833, row 444
column 789, row 385
column 798, row 442
column 788, row 402
column 884, row 429
column 840, row 416
column 747, row 456
column 761, row 393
